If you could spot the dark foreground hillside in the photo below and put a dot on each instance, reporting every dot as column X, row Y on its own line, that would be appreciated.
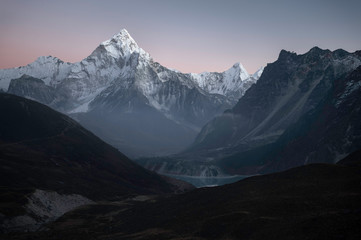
column 318, row 201
column 46, row 153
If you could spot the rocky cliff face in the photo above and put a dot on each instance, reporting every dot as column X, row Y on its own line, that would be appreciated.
column 295, row 114
column 288, row 88
column 328, row 133
column 33, row 88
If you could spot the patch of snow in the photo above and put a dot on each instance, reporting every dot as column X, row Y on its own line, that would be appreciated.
column 339, row 156
column 86, row 100
column 268, row 135
column 351, row 86
column 258, row 73
column 174, row 70
column 43, row 207
column 346, row 64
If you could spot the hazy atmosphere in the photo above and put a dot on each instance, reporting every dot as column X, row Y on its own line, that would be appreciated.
column 256, row 136
column 188, row 35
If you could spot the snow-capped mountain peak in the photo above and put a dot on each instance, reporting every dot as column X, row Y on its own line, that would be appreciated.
column 232, row 83
column 237, row 70
column 258, row 73
column 123, row 45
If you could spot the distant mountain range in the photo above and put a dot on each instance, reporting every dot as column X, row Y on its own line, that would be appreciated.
column 295, row 113
column 60, row 181
column 129, row 100
column 303, row 109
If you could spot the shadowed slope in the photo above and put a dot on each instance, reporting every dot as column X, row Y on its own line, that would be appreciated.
column 43, row 149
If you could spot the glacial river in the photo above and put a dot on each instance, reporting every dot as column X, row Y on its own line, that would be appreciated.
column 209, row 181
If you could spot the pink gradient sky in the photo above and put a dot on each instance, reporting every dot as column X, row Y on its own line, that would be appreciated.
column 191, row 36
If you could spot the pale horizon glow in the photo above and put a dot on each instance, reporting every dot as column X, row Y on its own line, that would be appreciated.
column 190, row 36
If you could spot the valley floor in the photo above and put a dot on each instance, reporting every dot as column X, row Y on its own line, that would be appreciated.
column 318, row 201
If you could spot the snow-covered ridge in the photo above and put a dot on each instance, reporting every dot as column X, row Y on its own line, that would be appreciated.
column 49, row 69
column 119, row 60
column 233, row 82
